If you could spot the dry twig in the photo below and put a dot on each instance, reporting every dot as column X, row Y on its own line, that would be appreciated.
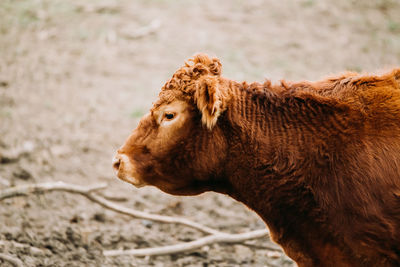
column 24, row 190
column 188, row 246
column 148, row 216
column 214, row 236
column 87, row 192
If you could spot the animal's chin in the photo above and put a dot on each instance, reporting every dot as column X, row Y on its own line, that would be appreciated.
column 132, row 180
column 187, row 190
column 138, row 185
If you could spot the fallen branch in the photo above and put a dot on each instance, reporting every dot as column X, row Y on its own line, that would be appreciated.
column 188, row 246
column 24, row 190
column 214, row 236
column 87, row 191
column 148, row 216
column 14, row 261
column 113, row 198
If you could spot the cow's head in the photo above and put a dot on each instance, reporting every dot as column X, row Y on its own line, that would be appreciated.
column 178, row 147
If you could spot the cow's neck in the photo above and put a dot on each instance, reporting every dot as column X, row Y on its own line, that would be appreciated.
column 272, row 182
column 265, row 153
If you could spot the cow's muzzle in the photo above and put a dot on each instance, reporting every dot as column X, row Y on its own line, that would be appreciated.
column 125, row 170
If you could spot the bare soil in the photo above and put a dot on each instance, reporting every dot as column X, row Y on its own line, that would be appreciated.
column 76, row 76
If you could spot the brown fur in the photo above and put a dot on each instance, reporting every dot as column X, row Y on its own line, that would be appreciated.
column 318, row 161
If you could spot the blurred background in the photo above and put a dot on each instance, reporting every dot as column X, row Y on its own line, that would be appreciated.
column 76, row 76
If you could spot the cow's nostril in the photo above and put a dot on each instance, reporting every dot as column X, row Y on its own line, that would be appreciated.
column 116, row 163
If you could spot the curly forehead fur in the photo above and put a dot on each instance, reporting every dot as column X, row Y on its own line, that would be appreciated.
column 197, row 82
column 168, row 96
column 184, row 78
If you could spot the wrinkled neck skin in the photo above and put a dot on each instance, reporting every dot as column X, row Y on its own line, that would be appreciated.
column 267, row 184
column 273, row 158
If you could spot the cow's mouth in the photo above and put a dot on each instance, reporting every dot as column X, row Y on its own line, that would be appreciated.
column 125, row 170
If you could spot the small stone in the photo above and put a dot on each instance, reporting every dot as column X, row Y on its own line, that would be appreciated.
column 4, row 182
column 60, row 150
column 100, row 217
column 4, row 83
column 22, row 174
column 75, row 219
column 8, row 157
column 147, row 223
column 27, row 147
column 274, row 254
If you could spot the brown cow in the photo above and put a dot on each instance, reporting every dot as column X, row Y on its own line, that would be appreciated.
column 318, row 161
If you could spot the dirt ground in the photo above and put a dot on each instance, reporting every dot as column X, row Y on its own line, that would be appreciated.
column 76, row 76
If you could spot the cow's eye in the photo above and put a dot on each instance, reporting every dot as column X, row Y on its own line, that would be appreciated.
column 169, row 116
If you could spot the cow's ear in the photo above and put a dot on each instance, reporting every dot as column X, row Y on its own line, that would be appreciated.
column 208, row 97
